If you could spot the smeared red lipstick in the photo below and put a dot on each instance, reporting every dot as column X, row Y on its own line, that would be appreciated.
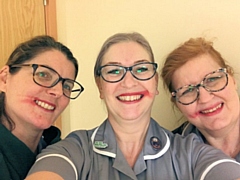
column 195, row 115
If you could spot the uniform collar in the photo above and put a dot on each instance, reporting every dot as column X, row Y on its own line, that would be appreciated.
column 190, row 128
column 156, row 144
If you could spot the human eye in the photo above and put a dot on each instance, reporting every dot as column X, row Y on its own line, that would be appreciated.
column 68, row 86
column 43, row 75
column 113, row 70
column 214, row 79
column 187, row 91
column 141, row 68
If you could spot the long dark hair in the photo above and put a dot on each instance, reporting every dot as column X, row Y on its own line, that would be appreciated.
column 27, row 51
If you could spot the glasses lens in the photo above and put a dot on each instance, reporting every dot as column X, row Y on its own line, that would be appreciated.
column 216, row 81
column 143, row 71
column 45, row 76
column 187, row 94
column 112, row 73
column 115, row 73
column 72, row 89
column 213, row 82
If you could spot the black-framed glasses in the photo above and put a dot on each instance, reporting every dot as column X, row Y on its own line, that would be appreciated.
column 212, row 82
column 115, row 73
column 47, row 77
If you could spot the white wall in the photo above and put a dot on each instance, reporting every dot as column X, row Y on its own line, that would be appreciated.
column 84, row 25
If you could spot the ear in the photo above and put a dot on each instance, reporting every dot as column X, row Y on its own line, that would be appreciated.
column 3, row 78
column 97, row 80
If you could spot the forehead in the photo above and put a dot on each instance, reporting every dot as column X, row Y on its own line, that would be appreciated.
column 56, row 60
column 125, row 52
column 49, row 56
column 194, row 70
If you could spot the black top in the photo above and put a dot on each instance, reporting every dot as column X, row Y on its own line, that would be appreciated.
column 16, row 158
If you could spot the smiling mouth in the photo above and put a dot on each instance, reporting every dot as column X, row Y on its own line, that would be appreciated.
column 44, row 105
column 212, row 110
column 130, row 98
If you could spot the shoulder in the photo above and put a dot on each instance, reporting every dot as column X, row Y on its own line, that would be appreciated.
column 204, row 160
column 72, row 153
column 76, row 141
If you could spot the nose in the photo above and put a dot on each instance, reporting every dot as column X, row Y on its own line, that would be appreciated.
column 128, row 80
column 56, row 90
column 204, row 95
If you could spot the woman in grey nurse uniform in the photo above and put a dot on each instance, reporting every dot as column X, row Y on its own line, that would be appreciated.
column 129, row 144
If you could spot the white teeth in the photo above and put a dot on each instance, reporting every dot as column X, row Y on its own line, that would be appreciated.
column 44, row 105
column 130, row 98
column 212, row 110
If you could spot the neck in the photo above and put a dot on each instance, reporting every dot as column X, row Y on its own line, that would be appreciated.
column 227, row 140
column 130, row 137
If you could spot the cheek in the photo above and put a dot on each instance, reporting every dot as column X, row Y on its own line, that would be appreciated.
column 63, row 103
column 11, row 90
column 150, row 94
column 106, row 90
column 188, row 111
column 230, row 90
column 20, row 86
column 193, row 115
column 147, row 94
column 151, row 89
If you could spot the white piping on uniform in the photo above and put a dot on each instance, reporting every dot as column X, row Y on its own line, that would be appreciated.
column 63, row 157
column 99, row 151
column 215, row 164
column 146, row 157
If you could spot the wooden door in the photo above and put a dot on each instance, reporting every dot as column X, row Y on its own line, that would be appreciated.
column 22, row 19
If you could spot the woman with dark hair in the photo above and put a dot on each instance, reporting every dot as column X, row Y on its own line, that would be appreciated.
column 36, row 85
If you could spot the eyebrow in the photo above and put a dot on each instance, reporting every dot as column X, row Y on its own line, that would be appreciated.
column 136, row 62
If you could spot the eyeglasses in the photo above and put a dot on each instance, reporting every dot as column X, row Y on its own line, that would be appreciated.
column 212, row 82
column 115, row 73
column 47, row 77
